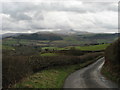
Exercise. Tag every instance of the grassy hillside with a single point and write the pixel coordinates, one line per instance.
(93, 47)
(91, 38)
(83, 48)
(111, 68)
(7, 47)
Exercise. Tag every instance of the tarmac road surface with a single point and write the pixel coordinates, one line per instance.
(89, 77)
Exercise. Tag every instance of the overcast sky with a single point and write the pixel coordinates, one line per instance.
(59, 15)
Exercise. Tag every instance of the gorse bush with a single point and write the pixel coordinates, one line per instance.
(21, 51)
(112, 60)
(112, 52)
(16, 68)
(73, 52)
(37, 63)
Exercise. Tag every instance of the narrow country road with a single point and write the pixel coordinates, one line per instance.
(89, 77)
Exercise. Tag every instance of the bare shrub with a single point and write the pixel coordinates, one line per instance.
(17, 67)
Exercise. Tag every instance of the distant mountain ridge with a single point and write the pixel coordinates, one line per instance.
(12, 34)
(60, 32)
(36, 36)
(62, 40)
(65, 32)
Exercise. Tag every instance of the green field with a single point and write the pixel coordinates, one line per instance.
(51, 78)
(55, 48)
(87, 48)
(93, 47)
(7, 47)
(65, 44)
(49, 54)
(11, 41)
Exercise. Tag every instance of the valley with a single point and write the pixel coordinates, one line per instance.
(48, 53)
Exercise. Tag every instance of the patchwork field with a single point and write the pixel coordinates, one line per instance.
(93, 47)
(46, 63)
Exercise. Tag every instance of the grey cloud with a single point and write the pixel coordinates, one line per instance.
(16, 10)
(20, 16)
(83, 8)
(31, 16)
(58, 6)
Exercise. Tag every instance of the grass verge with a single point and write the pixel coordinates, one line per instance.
(51, 78)
(109, 74)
